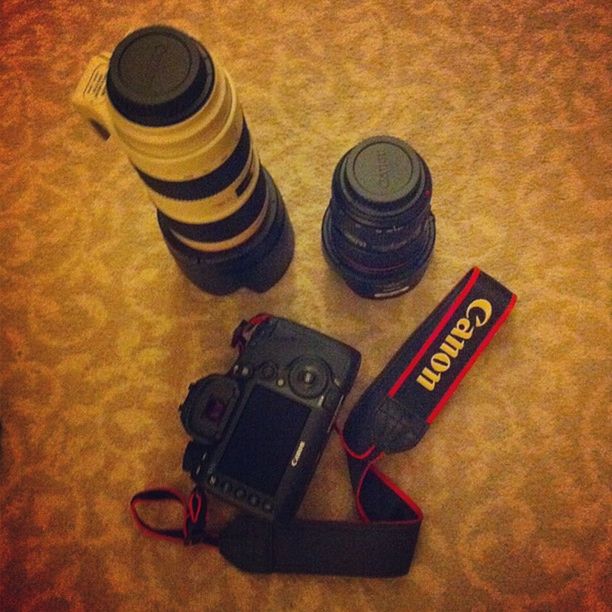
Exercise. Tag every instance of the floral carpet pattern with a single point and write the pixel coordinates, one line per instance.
(100, 334)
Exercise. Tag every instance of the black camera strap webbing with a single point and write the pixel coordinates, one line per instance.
(391, 416)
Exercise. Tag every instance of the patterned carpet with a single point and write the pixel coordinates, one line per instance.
(100, 334)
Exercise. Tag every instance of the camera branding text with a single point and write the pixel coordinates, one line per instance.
(454, 342)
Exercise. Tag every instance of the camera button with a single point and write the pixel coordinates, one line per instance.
(267, 506)
(240, 493)
(268, 371)
(226, 487)
(254, 500)
(212, 480)
(243, 370)
(308, 377)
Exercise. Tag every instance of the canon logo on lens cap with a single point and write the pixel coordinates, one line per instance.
(152, 67)
(383, 171)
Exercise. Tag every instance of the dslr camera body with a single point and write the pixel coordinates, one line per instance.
(259, 430)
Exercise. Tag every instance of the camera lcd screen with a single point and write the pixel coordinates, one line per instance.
(264, 440)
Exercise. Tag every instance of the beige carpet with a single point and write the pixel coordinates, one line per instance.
(100, 334)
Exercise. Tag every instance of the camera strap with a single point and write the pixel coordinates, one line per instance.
(391, 416)
(396, 410)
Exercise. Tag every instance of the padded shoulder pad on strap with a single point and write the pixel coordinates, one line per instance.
(396, 427)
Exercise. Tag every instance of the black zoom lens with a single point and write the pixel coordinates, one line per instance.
(379, 231)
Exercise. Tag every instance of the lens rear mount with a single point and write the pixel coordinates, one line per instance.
(380, 179)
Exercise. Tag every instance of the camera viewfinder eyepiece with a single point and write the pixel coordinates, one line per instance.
(207, 407)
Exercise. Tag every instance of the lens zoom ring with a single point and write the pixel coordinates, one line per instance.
(226, 228)
(210, 184)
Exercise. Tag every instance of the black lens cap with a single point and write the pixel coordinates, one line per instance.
(382, 176)
(159, 76)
